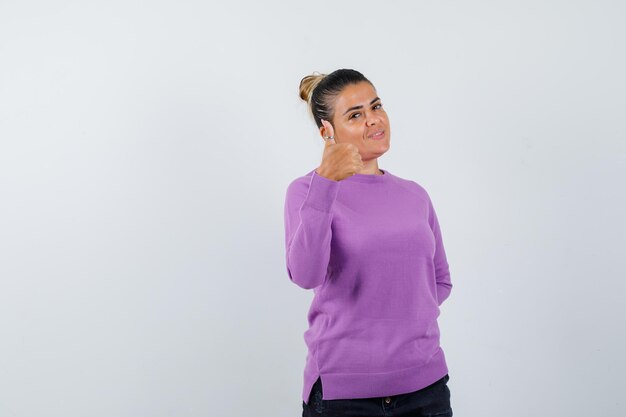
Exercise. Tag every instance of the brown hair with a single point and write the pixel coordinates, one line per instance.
(320, 90)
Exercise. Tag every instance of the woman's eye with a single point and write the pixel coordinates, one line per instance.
(378, 106)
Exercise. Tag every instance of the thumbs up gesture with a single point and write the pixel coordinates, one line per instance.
(339, 160)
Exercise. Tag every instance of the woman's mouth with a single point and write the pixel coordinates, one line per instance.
(379, 134)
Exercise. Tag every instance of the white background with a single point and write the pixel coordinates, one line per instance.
(145, 150)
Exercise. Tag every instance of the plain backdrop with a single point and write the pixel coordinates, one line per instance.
(145, 151)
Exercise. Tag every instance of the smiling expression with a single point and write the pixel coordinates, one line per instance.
(359, 118)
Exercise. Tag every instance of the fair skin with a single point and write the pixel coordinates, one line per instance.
(358, 115)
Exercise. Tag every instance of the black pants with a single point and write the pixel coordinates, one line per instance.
(433, 400)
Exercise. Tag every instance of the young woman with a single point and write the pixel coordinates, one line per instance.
(369, 245)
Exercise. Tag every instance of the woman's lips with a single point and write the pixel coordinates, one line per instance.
(378, 135)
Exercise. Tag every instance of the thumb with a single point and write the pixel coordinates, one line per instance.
(330, 133)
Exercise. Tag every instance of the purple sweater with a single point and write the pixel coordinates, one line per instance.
(371, 249)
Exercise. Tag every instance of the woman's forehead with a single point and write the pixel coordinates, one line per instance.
(361, 94)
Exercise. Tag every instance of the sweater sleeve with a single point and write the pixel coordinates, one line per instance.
(308, 217)
(442, 271)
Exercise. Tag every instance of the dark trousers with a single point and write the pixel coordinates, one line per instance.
(433, 400)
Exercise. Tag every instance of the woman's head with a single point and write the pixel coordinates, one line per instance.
(350, 103)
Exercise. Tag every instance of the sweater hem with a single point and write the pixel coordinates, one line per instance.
(371, 385)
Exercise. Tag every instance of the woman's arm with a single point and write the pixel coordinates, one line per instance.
(442, 271)
(308, 216)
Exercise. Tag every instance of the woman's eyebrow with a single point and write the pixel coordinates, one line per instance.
(359, 107)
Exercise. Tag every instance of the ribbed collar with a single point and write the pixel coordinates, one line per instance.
(366, 178)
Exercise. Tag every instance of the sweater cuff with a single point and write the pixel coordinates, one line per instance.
(322, 193)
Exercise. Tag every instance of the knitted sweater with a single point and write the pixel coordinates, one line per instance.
(370, 247)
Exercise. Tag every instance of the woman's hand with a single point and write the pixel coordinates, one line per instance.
(339, 160)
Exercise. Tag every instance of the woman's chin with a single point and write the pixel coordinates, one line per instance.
(381, 150)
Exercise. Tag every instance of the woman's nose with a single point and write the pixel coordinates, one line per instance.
(372, 119)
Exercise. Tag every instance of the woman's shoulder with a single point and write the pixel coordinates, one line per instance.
(300, 184)
(303, 179)
(410, 185)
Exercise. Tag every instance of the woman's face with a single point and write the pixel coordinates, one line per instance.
(359, 117)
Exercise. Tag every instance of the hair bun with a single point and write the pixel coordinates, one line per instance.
(308, 84)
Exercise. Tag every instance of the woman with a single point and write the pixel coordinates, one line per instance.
(369, 245)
